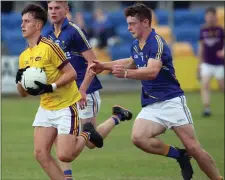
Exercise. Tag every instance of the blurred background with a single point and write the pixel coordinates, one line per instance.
(177, 22)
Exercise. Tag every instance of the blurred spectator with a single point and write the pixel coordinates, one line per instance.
(102, 28)
(7, 6)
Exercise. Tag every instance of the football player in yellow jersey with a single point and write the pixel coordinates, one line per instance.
(79, 52)
(57, 117)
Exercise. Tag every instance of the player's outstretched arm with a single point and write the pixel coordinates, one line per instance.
(97, 67)
(126, 63)
(146, 73)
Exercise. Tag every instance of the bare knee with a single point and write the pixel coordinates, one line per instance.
(193, 148)
(137, 139)
(42, 156)
(66, 156)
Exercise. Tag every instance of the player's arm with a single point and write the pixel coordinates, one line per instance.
(200, 52)
(69, 74)
(127, 63)
(19, 74)
(58, 59)
(146, 73)
(153, 65)
(97, 67)
(90, 57)
(200, 46)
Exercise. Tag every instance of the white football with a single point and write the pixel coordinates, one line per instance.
(33, 74)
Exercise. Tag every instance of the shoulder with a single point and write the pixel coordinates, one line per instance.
(49, 45)
(76, 29)
(156, 41)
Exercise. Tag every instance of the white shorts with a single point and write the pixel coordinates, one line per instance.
(208, 70)
(93, 106)
(65, 120)
(170, 113)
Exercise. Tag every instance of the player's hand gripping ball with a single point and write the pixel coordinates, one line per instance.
(30, 75)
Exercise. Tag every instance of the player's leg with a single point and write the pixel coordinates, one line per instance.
(206, 76)
(90, 112)
(144, 134)
(65, 166)
(219, 75)
(69, 141)
(186, 133)
(44, 136)
(155, 119)
(42, 150)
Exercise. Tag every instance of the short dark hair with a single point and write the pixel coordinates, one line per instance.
(37, 12)
(66, 2)
(210, 10)
(141, 11)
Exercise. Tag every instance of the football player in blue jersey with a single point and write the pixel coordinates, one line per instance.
(163, 102)
(78, 51)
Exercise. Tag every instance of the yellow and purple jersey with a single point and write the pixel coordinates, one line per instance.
(165, 86)
(50, 57)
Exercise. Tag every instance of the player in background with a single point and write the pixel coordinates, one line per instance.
(57, 116)
(163, 101)
(76, 47)
(211, 63)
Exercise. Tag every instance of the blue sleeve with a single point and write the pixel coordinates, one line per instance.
(156, 48)
(81, 40)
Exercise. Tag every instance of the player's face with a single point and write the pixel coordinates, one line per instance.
(135, 26)
(57, 11)
(210, 18)
(29, 26)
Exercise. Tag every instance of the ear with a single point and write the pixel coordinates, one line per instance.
(145, 23)
(39, 25)
(67, 9)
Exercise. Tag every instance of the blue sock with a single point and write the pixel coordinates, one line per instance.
(68, 174)
(173, 153)
(116, 120)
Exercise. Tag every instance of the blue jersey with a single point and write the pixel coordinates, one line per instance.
(165, 86)
(73, 42)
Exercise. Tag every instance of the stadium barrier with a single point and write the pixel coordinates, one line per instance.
(185, 70)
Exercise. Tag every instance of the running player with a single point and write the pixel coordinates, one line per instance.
(57, 116)
(163, 101)
(78, 51)
(211, 59)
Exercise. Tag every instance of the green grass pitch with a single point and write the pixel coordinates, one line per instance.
(119, 159)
